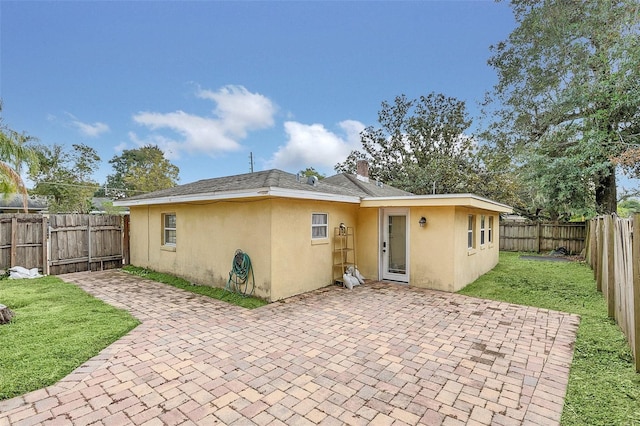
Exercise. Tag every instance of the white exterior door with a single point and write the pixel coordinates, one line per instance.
(395, 245)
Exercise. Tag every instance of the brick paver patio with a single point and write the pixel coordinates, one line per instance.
(381, 354)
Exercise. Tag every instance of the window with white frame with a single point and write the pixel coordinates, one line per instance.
(490, 230)
(169, 229)
(482, 229)
(471, 243)
(319, 226)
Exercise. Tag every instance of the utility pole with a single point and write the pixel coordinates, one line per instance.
(251, 161)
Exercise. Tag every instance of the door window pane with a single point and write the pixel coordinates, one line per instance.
(397, 245)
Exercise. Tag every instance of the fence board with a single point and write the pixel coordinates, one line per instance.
(85, 242)
(609, 229)
(539, 237)
(615, 258)
(21, 241)
(635, 260)
(70, 242)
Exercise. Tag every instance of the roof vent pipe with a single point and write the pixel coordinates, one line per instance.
(312, 180)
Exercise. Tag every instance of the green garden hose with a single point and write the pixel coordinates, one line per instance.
(239, 276)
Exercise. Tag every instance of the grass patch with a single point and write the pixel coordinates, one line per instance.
(604, 388)
(213, 292)
(56, 328)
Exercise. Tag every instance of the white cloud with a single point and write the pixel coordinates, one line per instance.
(241, 110)
(237, 112)
(91, 130)
(120, 147)
(171, 148)
(315, 146)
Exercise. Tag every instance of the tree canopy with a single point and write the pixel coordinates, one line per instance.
(421, 146)
(310, 171)
(65, 177)
(140, 170)
(629, 207)
(568, 99)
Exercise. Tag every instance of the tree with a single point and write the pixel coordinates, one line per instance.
(568, 97)
(421, 147)
(629, 207)
(310, 171)
(14, 152)
(140, 170)
(66, 177)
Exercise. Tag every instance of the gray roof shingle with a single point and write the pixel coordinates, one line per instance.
(14, 202)
(342, 184)
(371, 189)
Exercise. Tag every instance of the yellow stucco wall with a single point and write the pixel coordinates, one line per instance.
(276, 234)
(207, 236)
(368, 242)
(300, 263)
(439, 258)
(431, 248)
(472, 263)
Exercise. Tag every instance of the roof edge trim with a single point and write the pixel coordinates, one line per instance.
(439, 199)
(229, 195)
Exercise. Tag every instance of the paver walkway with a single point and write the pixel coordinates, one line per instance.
(380, 354)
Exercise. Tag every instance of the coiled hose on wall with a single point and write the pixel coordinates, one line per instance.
(239, 276)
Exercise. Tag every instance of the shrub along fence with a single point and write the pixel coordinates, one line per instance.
(62, 243)
(613, 252)
(539, 237)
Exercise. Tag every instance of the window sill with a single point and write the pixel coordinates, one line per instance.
(320, 241)
(471, 252)
(168, 248)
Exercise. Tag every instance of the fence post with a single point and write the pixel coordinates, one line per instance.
(611, 268)
(125, 240)
(593, 245)
(635, 256)
(600, 258)
(89, 243)
(45, 248)
(538, 237)
(587, 243)
(14, 241)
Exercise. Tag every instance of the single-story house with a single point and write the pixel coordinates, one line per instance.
(290, 227)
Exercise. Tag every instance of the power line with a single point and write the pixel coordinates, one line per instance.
(96, 186)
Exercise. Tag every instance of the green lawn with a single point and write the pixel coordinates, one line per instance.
(213, 292)
(56, 328)
(603, 386)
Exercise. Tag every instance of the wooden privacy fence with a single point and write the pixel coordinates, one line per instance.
(539, 237)
(21, 240)
(63, 243)
(613, 252)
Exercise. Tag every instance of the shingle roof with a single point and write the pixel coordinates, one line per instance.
(343, 184)
(370, 189)
(14, 202)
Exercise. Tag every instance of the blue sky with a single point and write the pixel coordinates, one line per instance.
(210, 82)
